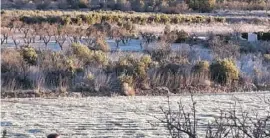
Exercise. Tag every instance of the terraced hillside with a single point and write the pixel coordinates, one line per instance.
(113, 116)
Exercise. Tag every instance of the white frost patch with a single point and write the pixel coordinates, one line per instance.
(111, 116)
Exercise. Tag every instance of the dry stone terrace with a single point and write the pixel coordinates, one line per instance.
(111, 117)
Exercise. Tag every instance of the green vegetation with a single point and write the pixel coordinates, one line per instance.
(29, 55)
(224, 71)
(88, 56)
(77, 18)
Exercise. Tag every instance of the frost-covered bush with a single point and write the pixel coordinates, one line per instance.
(224, 71)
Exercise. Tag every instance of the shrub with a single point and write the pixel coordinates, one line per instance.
(174, 36)
(202, 5)
(201, 67)
(224, 71)
(266, 58)
(134, 67)
(70, 65)
(102, 45)
(146, 59)
(58, 69)
(66, 20)
(11, 60)
(164, 19)
(90, 77)
(182, 36)
(81, 51)
(97, 17)
(29, 55)
(248, 48)
(160, 52)
(178, 8)
(100, 58)
(160, 55)
(79, 20)
(126, 79)
(223, 47)
(140, 70)
(126, 65)
(88, 56)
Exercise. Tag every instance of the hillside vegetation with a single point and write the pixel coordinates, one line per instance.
(165, 6)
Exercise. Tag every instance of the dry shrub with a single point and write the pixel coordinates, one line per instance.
(58, 69)
(14, 71)
(102, 45)
(159, 51)
(11, 60)
(242, 5)
(201, 68)
(223, 47)
(202, 5)
(178, 8)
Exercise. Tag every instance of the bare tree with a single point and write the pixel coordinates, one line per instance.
(60, 36)
(76, 33)
(16, 39)
(17, 25)
(5, 33)
(231, 123)
(181, 122)
(47, 32)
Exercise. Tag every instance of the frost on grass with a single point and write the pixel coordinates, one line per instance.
(113, 116)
